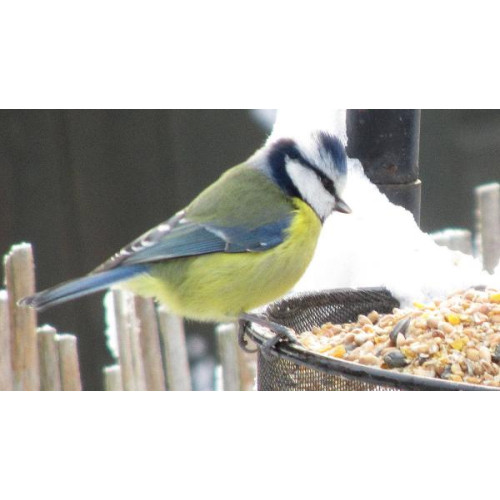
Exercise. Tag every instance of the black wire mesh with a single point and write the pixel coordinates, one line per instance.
(291, 368)
(303, 311)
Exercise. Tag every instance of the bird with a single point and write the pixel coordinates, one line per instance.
(243, 242)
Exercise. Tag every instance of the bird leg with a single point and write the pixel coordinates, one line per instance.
(282, 333)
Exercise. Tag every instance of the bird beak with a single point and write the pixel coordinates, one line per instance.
(342, 206)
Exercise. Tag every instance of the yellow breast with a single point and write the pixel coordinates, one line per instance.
(218, 287)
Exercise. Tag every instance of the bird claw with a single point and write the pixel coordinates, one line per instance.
(282, 334)
(242, 342)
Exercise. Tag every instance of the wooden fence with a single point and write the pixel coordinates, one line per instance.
(152, 353)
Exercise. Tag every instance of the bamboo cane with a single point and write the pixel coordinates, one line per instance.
(20, 282)
(129, 346)
(238, 368)
(488, 222)
(113, 378)
(50, 375)
(150, 344)
(68, 363)
(227, 344)
(5, 344)
(175, 351)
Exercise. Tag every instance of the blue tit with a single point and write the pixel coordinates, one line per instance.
(242, 243)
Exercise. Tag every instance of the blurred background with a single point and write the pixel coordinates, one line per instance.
(79, 185)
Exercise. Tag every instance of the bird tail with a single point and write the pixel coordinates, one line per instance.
(80, 287)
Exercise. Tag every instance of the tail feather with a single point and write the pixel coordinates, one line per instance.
(80, 287)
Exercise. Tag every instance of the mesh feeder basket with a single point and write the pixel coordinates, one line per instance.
(293, 368)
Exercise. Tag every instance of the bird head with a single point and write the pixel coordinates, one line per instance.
(313, 170)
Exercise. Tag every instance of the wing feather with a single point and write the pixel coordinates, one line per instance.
(180, 237)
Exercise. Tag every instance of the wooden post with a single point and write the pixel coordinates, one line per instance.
(150, 344)
(20, 282)
(239, 368)
(454, 239)
(488, 223)
(227, 343)
(129, 346)
(113, 378)
(218, 382)
(248, 368)
(50, 375)
(5, 344)
(175, 351)
(68, 363)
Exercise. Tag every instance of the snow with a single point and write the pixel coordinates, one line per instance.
(380, 244)
(454, 238)
(111, 327)
(264, 117)
(300, 124)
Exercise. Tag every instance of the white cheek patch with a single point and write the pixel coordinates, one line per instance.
(311, 189)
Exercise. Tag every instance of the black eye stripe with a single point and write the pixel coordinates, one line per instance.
(327, 183)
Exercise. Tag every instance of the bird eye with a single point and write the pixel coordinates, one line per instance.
(293, 154)
(327, 184)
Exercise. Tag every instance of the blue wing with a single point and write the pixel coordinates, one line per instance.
(181, 237)
(178, 237)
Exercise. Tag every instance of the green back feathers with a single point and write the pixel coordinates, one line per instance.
(243, 196)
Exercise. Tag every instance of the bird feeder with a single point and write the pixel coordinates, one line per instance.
(290, 367)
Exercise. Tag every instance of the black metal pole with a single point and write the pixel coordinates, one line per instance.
(386, 141)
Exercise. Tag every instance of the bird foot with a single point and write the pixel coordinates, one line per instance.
(282, 334)
(242, 341)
